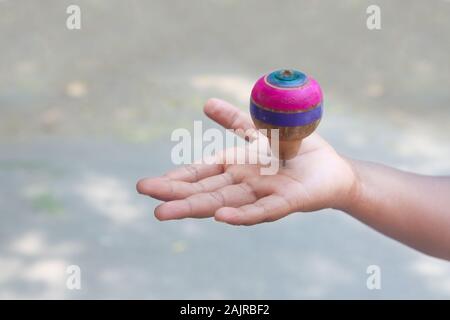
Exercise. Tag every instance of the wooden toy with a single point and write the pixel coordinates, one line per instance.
(290, 101)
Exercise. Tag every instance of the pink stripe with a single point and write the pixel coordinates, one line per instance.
(292, 99)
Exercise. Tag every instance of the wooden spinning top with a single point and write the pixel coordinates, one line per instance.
(290, 101)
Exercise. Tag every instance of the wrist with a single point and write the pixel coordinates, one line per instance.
(352, 194)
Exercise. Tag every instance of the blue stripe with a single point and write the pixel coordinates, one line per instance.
(286, 119)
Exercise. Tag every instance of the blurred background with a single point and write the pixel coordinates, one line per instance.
(85, 113)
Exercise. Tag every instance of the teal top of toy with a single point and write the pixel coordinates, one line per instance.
(286, 78)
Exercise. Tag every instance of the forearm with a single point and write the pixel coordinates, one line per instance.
(411, 208)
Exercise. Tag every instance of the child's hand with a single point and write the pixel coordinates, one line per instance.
(408, 207)
(237, 194)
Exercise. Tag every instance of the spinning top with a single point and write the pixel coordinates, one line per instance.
(290, 101)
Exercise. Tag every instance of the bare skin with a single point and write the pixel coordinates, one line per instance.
(411, 208)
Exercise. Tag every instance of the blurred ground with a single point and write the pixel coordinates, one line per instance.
(84, 114)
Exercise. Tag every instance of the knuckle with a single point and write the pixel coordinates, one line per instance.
(234, 119)
(193, 171)
(228, 176)
(200, 186)
(218, 196)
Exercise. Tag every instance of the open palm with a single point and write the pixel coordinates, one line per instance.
(238, 194)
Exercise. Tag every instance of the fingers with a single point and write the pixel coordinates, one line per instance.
(270, 208)
(194, 172)
(204, 205)
(163, 188)
(228, 115)
(176, 183)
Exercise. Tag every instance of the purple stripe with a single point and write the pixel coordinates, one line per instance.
(286, 119)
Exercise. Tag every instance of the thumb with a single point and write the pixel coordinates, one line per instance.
(227, 115)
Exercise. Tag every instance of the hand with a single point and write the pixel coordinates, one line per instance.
(317, 178)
